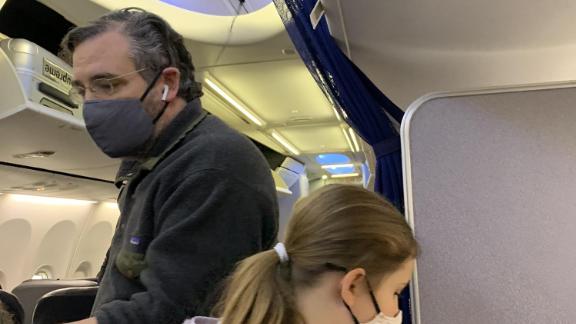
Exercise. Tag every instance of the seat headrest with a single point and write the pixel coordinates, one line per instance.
(65, 305)
(13, 304)
(34, 284)
(72, 292)
(30, 291)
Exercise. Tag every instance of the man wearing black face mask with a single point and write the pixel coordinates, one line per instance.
(196, 196)
(109, 119)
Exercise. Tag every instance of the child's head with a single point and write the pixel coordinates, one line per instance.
(343, 236)
(11, 311)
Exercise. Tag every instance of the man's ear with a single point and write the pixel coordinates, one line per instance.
(171, 77)
(351, 286)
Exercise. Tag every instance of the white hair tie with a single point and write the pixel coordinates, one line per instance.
(282, 253)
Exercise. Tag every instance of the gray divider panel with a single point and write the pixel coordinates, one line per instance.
(491, 192)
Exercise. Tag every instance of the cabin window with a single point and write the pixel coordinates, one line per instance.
(83, 271)
(42, 273)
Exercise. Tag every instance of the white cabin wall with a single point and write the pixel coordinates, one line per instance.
(38, 232)
(15, 237)
(94, 241)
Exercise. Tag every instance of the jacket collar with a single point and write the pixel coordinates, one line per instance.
(170, 136)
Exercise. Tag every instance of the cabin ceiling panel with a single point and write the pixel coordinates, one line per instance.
(204, 55)
(218, 107)
(16, 180)
(279, 92)
(456, 24)
(249, 28)
(259, 67)
(69, 148)
(220, 7)
(411, 48)
(316, 139)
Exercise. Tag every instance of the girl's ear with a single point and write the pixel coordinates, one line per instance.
(351, 286)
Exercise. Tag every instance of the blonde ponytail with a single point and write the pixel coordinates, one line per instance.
(259, 292)
(336, 227)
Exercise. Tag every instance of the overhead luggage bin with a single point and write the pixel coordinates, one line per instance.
(39, 125)
(490, 178)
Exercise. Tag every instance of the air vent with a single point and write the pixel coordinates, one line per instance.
(34, 155)
(41, 186)
(299, 120)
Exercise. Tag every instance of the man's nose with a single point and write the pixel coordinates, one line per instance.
(89, 95)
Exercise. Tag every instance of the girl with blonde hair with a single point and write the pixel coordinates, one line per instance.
(347, 256)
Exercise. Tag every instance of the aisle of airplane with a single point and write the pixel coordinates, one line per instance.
(58, 208)
(258, 85)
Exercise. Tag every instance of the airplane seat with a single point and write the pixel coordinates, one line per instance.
(30, 291)
(12, 305)
(65, 305)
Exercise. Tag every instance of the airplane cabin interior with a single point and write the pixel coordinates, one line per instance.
(484, 146)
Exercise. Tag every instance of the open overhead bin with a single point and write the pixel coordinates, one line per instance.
(39, 125)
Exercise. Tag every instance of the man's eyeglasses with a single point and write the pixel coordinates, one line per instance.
(100, 88)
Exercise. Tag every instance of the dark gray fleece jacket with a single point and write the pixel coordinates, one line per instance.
(187, 216)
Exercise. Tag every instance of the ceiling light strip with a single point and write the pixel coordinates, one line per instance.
(345, 175)
(291, 148)
(354, 139)
(348, 139)
(337, 166)
(336, 113)
(234, 102)
(49, 200)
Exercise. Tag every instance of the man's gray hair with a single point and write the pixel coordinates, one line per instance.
(154, 45)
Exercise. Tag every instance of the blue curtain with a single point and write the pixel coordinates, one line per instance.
(366, 107)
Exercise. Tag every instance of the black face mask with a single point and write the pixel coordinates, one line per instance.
(380, 318)
(121, 127)
(374, 302)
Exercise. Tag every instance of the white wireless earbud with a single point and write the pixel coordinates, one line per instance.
(165, 93)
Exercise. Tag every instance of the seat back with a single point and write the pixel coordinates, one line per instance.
(30, 291)
(12, 305)
(65, 305)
